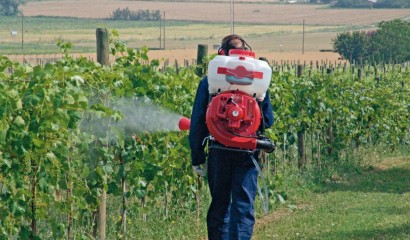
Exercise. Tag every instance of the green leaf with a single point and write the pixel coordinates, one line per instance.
(83, 101)
(31, 100)
(6, 162)
(113, 188)
(68, 99)
(37, 142)
(19, 121)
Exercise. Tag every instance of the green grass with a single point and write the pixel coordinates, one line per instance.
(371, 204)
(184, 221)
(356, 200)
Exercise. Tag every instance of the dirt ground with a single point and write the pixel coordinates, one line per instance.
(260, 12)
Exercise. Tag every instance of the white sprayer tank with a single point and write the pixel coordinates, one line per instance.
(239, 71)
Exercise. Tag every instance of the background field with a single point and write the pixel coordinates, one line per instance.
(273, 30)
(219, 11)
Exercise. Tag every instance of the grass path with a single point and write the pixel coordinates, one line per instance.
(374, 204)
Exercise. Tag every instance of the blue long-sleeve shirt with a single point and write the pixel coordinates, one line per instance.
(198, 129)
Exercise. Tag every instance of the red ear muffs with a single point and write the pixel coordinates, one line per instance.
(221, 52)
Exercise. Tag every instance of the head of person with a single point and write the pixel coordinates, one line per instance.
(232, 42)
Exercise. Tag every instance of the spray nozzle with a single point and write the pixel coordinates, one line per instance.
(184, 123)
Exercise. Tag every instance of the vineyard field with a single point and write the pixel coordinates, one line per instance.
(62, 143)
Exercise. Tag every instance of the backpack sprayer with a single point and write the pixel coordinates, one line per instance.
(238, 84)
(237, 87)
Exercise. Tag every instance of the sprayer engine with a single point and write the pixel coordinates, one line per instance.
(233, 119)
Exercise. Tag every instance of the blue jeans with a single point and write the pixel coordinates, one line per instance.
(232, 178)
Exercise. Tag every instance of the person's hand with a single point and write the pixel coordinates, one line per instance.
(201, 169)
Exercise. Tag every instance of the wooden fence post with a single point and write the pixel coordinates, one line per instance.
(301, 148)
(176, 67)
(330, 135)
(103, 51)
(299, 70)
(301, 132)
(200, 64)
(329, 71)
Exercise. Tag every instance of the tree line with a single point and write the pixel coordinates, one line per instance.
(10, 7)
(389, 43)
(141, 15)
(363, 3)
(373, 4)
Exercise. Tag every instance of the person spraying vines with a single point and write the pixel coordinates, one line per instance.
(229, 116)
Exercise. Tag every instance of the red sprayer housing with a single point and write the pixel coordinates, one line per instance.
(233, 118)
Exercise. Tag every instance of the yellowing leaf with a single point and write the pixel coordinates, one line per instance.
(19, 121)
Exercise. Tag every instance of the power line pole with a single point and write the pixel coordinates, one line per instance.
(303, 38)
(230, 16)
(22, 32)
(233, 16)
(160, 33)
(164, 30)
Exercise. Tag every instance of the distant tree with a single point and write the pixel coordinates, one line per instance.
(352, 46)
(142, 15)
(377, 4)
(10, 7)
(389, 43)
(392, 40)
